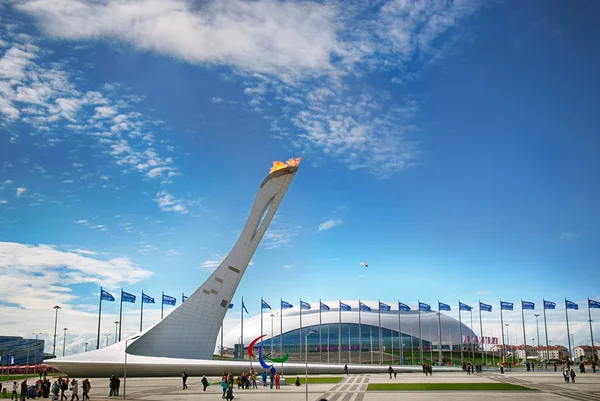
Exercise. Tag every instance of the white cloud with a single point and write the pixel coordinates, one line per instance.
(84, 252)
(482, 292)
(20, 191)
(168, 203)
(217, 100)
(212, 263)
(567, 235)
(67, 182)
(3, 201)
(260, 36)
(276, 238)
(81, 222)
(329, 224)
(288, 266)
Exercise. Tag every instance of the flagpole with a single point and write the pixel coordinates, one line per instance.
(420, 335)
(380, 340)
(142, 312)
(502, 327)
(440, 332)
(300, 329)
(524, 335)
(242, 329)
(261, 319)
(281, 327)
(461, 333)
(221, 353)
(568, 330)
(359, 335)
(99, 317)
(472, 339)
(121, 315)
(340, 330)
(481, 341)
(328, 343)
(451, 346)
(546, 331)
(594, 354)
(320, 335)
(400, 334)
(162, 304)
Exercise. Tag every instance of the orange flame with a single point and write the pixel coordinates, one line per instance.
(277, 165)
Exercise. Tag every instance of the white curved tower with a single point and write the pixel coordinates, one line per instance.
(191, 330)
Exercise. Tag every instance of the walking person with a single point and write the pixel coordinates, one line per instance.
(74, 390)
(224, 387)
(87, 386)
(64, 386)
(277, 381)
(14, 391)
(184, 379)
(573, 375)
(204, 382)
(263, 376)
(390, 371)
(346, 369)
(24, 390)
(55, 390)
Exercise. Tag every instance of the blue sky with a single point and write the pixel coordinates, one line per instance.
(452, 145)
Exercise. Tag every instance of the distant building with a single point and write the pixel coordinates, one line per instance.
(585, 351)
(518, 351)
(20, 351)
(555, 352)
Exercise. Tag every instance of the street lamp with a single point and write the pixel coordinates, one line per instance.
(56, 308)
(116, 329)
(125, 370)
(310, 333)
(538, 328)
(64, 340)
(107, 336)
(508, 341)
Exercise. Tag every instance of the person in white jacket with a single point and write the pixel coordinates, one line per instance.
(74, 390)
(14, 393)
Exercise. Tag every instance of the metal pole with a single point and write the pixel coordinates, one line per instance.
(461, 333)
(371, 340)
(568, 330)
(380, 340)
(451, 346)
(420, 334)
(340, 330)
(142, 312)
(502, 327)
(120, 316)
(221, 352)
(430, 347)
(242, 328)
(305, 364)
(162, 304)
(116, 329)
(524, 335)
(359, 335)
(300, 307)
(537, 324)
(64, 340)
(320, 334)
(328, 343)
(272, 316)
(125, 369)
(512, 355)
(400, 333)
(86, 344)
(281, 328)
(482, 341)
(472, 342)
(56, 308)
(546, 331)
(594, 352)
(440, 355)
(99, 317)
(349, 345)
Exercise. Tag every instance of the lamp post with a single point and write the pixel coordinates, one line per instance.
(64, 339)
(107, 336)
(56, 308)
(310, 333)
(537, 323)
(512, 357)
(125, 369)
(35, 353)
(272, 316)
(116, 329)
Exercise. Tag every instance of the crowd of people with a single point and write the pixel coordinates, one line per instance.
(42, 388)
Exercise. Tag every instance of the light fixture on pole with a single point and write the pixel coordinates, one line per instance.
(56, 308)
(125, 370)
(107, 336)
(310, 333)
(116, 330)
(64, 339)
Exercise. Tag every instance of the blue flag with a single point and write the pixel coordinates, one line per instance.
(527, 305)
(344, 307)
(442, 306)
(571, 305)
(183, 298)
(549, 305)
(593, 304)
(423, 307)
(324, 307)
(304, 305)
(466, 307)
(147, 299)
(485, 307)
(127, 297)
(265, 305)
(230, 306)
(167, 300)
(106, 296)
(244, 307)
(384, 307)
(364, 307)
(506, 305)
(286, 305)
(403, 307)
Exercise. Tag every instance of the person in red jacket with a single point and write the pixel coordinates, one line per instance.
(277, 381)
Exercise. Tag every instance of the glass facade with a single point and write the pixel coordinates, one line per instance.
(350, 339)
(19, 351)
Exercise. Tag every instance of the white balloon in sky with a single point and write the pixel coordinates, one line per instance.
(364, 264)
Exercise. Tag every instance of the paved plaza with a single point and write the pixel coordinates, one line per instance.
(544, 385)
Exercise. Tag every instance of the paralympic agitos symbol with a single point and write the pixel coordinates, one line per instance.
(262, 358)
